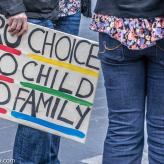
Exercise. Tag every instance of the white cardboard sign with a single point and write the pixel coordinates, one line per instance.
(48, 80)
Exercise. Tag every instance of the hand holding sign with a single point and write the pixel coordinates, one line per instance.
(18, 24)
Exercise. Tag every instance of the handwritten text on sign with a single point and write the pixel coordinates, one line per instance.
(48, 80)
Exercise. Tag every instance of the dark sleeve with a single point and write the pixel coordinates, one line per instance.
(86, 8)
(12, 7)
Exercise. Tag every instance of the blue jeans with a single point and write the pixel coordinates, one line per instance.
(134, 82)
(69, 24)
(33, 146)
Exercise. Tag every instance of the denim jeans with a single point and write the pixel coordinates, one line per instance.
(69, 24)
(134, 82)
(33, 146)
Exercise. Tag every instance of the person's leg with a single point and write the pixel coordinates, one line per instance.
(124, 75)
(155, 105)
(33, 146)
(54, 149)
(69, 24)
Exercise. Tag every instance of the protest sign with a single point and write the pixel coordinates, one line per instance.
(48, 80)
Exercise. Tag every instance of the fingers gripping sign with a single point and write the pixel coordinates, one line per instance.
(18, 24)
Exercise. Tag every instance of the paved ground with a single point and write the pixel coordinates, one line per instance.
(72, 152)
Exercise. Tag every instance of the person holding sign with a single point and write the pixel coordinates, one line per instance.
(31, 145)
(30, 140)
(131, 50)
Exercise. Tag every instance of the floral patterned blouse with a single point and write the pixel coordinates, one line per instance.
(68, 7)
(135, 33)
